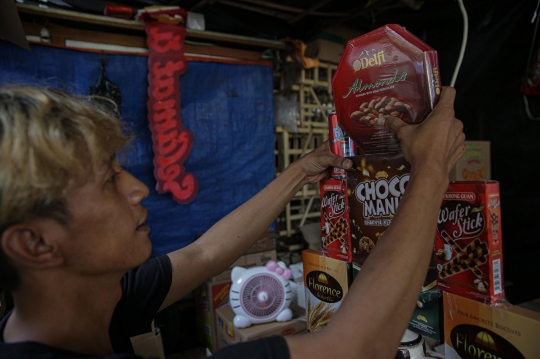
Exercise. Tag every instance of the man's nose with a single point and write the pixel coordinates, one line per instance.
(137, 191)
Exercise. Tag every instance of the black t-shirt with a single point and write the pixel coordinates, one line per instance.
(143, 291)
(266, 348)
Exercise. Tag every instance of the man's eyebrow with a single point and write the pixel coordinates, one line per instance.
(107, 167)
(112, 158)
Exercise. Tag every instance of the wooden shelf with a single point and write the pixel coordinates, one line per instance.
(138, 26)
(59, 35)
(312, 130)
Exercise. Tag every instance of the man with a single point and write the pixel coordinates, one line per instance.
(74, 243)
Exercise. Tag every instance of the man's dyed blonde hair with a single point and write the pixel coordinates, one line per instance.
(50, 141)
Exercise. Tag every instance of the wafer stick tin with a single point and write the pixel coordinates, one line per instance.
(376, 184)
(468, 244)
(326, 283)
(336, 232)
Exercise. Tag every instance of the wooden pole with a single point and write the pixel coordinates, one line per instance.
(272, 13)
(309, 11)
(294, 9)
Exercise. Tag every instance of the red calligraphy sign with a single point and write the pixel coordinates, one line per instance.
(172, 142)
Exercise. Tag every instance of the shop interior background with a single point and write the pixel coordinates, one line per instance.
(489, 102)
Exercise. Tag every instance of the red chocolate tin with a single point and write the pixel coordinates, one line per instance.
(386, 72)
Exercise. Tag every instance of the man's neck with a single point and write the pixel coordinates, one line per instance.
(72, 314)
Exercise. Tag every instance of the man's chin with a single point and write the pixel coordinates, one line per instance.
(146, 253)
(150, 252)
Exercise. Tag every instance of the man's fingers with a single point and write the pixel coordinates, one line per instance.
(460, 136)
(332, 159)
(346, 164)
(459, 125)
(458, 148)
(392, 124)
(448, 95)
(341, 162)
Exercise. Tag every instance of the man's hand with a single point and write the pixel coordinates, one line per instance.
(437, 143)
(315, 164)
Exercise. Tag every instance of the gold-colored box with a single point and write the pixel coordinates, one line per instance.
(326, 282)
(477, 330)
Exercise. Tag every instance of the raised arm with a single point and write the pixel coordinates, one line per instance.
(228, 239)
(375, 313)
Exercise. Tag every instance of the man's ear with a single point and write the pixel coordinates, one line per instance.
(25, 245)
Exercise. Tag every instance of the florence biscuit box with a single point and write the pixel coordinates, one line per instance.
(468, 243)
(386, 72)
(375, 185)
(326, 282)
(474, 330)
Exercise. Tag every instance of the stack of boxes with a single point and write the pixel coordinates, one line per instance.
(465, 280)
(478, 322)
(376, 78)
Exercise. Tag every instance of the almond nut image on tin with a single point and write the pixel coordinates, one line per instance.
(369, 112)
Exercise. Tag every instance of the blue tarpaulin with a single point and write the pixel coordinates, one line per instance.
(228, 107)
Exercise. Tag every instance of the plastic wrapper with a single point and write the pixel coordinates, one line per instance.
(287, 112)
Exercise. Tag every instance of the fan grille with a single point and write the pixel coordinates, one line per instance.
(262, 295)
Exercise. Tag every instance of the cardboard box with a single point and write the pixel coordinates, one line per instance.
(228, 334)
(533, 305)
(344, 32)
(325, 50)
(326, 283)
(208, 297)
(148, 344)
(427, 318)
(266, 242)
(475, 164)
(468, 241)
(375, 187)
(247, 261)
(477, 330)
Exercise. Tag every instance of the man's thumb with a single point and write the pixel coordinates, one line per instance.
(391, 123)
(346, 164)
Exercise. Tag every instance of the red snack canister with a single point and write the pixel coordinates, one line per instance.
(468, 241)
(340, 144)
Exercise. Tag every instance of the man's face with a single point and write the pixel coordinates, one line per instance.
(107, 230)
